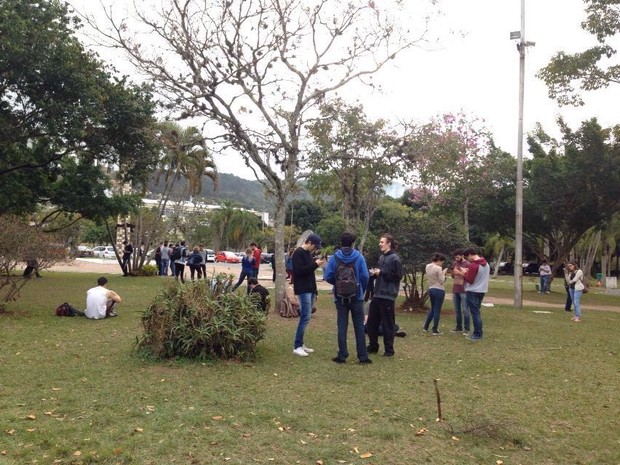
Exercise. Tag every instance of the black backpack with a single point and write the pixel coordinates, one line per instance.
(66, 309)
(346, 281)
(178, 253)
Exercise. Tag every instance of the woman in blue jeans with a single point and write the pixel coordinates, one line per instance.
(247, 269)
(575, 287)
(436, 277)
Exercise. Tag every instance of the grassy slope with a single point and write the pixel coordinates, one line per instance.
(537, 390)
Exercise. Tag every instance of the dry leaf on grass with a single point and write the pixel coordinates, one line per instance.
(454, 438)
(10, 431)
(56, 389)
(138, 430)
(31, 430)
(217, 417)
(366, 455)
(31, 417)
(319, 462)
(77, 453)
(356, 450)
(421, 432)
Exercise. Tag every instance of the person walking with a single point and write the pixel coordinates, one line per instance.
(459, 297)
(476, 286)
(348, 257)
(576, 286)
(247, 269)
(388, 274)
(304, 266)
(436, 277)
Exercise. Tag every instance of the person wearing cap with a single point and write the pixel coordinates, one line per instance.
(100, 301)
(304, 266)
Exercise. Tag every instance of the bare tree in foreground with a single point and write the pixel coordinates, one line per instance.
(256, 71)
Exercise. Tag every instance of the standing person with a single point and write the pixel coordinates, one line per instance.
(194, 261)
(476, 286)
(569, 302)
(545, 278)
(32, 266)
(436, 278)
(158, 257)
(459, 298)
(305, 288)
(165, 259)
(247, 269)
(348, 257)
(127, 252)
(256, 252)
(180, 258)
(388, 274)
(203, 261)
(576, 287)
(100, 302)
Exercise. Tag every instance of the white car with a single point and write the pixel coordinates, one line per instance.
(210, 255)
(104, 252)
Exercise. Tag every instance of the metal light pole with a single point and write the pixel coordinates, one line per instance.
(518, 262)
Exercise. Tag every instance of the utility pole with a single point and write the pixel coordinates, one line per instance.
(518, 262)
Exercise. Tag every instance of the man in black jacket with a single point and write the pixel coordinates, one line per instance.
(304, 266)
(388, 275)
(259, 293)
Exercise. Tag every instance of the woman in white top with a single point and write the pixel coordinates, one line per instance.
(575, 287)
(436, 278)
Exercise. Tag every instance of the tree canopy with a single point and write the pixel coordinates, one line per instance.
(64, 119)
(567, 74)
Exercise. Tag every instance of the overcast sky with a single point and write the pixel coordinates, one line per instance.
(478, 71)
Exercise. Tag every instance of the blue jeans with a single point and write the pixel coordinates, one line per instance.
(576, 298)
(164, 267)
(437, 296)
(474, 302)
(305, 311)
(242, 276)
(461, 311)
(356, 307)
(545, 283)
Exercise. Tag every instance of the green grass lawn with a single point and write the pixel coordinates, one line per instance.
(538, 389)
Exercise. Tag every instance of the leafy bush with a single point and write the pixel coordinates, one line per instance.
(202, 321)
(148, 270)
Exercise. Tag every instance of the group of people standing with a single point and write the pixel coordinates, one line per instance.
(175, 257)
(471, 274)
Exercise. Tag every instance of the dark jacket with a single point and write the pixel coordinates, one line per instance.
(349, 255)
(387, 285)
(260, 294)
(303, 268)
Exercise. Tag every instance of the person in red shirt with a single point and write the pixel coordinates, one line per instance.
(256, 252)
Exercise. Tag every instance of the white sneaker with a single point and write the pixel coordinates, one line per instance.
(307, 349)
(300, 351)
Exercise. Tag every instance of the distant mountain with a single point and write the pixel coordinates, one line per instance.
(248, 193)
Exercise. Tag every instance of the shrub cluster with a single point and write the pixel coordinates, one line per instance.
(202, 320)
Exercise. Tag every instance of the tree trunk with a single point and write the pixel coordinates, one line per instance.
(279, 222)
(498, 261)
(466, 218)
(591, 254)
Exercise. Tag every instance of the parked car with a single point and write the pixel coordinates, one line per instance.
(530, 268)
(503, 268)
(225, 256)
(210, 255)
(266, 257)
(104, 252)
(83, 251)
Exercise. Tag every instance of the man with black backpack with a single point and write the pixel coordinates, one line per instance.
(347, 272)
(179, 257)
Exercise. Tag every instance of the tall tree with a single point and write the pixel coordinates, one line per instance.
(454, 157)
(353, 159)
(595, 68)
(256, 70)
(572, 185)
(63, 118)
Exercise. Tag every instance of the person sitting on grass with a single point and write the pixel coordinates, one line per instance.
(100, 301)
(260, 294)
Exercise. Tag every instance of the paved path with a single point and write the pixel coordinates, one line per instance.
(107, 266)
